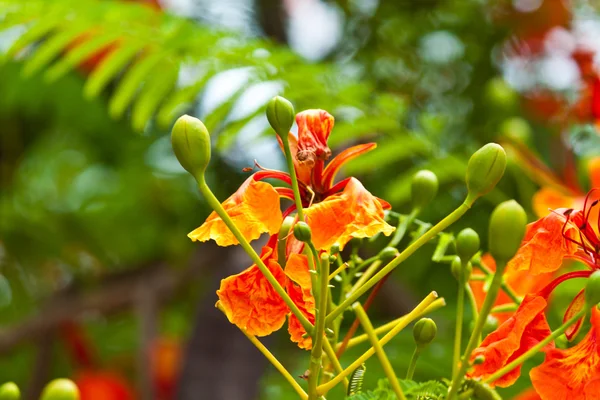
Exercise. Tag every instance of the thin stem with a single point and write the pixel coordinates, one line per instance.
(473, 303)
(460, 310)
(443, 224)
(488, 303)
(509, 292)
(363, 264)
(535, 349)
(269, 356)
(436, 305)
(385, 362)
(413, 363)
(216, 205)
(317, 350)
(505, 308)
(414, 314)
(290, 165)
(330, 352)
(338, 270)
(365, 276)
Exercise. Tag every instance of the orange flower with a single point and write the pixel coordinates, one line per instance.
(521, 283)
(255, 206)
(251, 303)
(515, 336)
(574, 373)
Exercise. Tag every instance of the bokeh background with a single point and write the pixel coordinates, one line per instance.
(98, 281)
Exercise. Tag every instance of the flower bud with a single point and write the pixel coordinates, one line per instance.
(491, 324)
(479, 360)
(483, 391)
(467, 244)
(424, 187)
(592, 290)
(334, 249)
(60, 389)
(280, 113)
(424, 331)
(191, 145)
(10, 391)
(387, 253)
(302, 231)
(507, 228)
(457, 266)
(484, 170)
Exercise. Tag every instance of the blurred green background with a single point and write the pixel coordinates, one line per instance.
(98, 280)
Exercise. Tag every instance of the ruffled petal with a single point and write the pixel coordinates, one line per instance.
(544, 245)
(299, 288)
(519, 333)
(574, 373)
(352, 213)
(255, 210)
(249, 300)
(314, 127)
(547, 199)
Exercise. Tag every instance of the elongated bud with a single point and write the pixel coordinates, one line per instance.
(485, 169)
(507, 228)
(387, 253)
(424, 187)
(191, 145)
(10, 391)
(467, 244)
(424, 331)
(60, 389)
(458, 266)
(592, 290)
(302, 231)
(280, 113)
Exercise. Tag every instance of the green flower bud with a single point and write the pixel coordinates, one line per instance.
(302, 231)
(332, 259)
(592, 290)
(280, 113)
(60, 389)
(191, 145)
(484, 170)
(424, 331)
(479, 360)
(467, 244)
(491, 324)
(457, 266)
(334, 249)
(483, 391)
(507, 228)
(387, 253)
(516, 129)
(10, 391)
(424, 187)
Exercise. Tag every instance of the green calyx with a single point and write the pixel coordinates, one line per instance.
(280, 113)
(10, 391)
(507, 229)
(60, 389)
(191, 144)
(484, 170)
(424, 187)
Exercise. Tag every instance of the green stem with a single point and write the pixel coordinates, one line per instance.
(338, 270)
(269, 356)
(365, 276)
(443, 224)
(413, 363)
(385, 363)
(214, 203)
(535, 349)
(316, 354)
(473, 303)
(460, 310)
(488, 303)
(403, 227)
(414, 314)
(509, 292)
(505, 308)
(290, 165)
(330, 352)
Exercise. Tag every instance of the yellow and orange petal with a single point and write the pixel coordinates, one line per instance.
(519, 333)
(547, 199)
(254, 208)
(299, 288)
(574, 373)
(544, 245)
(314, 127)
(521, 283)
(354, 212)
(250, 301)
(338, 162)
